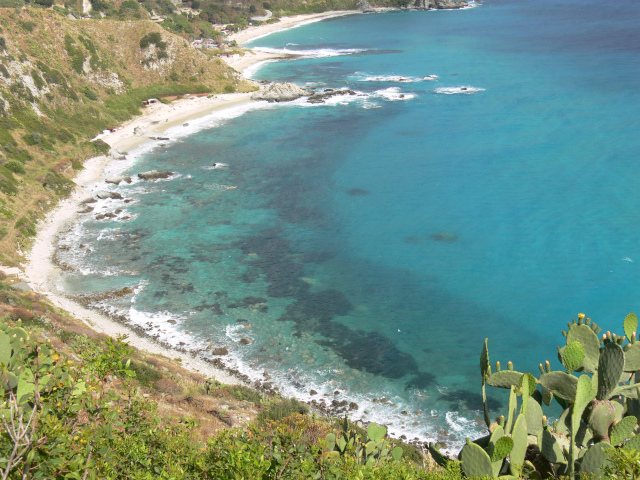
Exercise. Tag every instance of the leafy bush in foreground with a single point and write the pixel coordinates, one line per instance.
(75, 420)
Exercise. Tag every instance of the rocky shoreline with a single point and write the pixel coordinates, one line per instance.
(326, 405)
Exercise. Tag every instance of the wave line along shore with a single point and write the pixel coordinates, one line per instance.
(40, 271)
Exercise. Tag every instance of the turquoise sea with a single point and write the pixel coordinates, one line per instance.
(481, 182)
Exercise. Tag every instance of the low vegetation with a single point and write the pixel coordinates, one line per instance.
(76, 404)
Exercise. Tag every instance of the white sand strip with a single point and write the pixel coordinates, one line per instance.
(40, 272)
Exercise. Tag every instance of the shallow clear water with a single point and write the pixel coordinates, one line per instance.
(373, 242)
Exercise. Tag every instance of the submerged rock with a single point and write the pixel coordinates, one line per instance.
(328, 93)
(154, 175)
(280, 92)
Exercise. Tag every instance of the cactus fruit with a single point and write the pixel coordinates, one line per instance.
(475, 461)
(610, 368)
(623, 430)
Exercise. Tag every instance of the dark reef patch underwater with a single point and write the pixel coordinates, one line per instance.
(481, 183)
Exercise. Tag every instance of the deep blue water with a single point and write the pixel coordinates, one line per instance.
(373, 242)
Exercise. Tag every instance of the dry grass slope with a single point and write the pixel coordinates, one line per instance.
(62, 81)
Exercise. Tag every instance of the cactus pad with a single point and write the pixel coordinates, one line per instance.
(475, 461)
(519, 436)
(5, 349)
(590, 343)
(623, 430)
(484, 359)
(375, 432)
(632, 357)
(533, 417)
(528, 382)
(561, 384)
(603, 415)
(610, 368)
(595, 459)
(501, 449)
(572, 356)
(633, 443)
(439, 458)
(630, 325)
(504, 379)
(584, 396)
(551, 448)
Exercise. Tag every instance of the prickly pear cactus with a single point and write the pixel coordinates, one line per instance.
(571, 356)
(587, 336)
(475, 461)
(623, 430)
(610, 368)
(595, 459)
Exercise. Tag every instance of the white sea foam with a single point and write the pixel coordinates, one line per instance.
(393, 78)
(312, 53)
(455, 90)
(393, 94)
(216, 166)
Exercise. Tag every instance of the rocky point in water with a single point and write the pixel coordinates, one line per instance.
(280, 92)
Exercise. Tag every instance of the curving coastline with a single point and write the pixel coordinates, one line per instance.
(40, 271)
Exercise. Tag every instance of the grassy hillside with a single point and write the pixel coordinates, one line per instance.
(62, 81)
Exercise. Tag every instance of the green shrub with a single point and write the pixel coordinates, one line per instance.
(229, 89)
(145, 375)
(101, 146)
(4, 71)
(26, 226)
(15, 166)
(37, 79)
(27, 26)
(282, 409)
(3, 44)
(89, 94)
(241, 392)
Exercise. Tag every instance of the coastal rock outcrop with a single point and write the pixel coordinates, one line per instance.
(112, 195)
(280, 92)
(117, 180)
(154, 175)
(328, 93)
(437, 4)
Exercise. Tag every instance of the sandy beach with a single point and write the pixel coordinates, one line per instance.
(42, 274)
